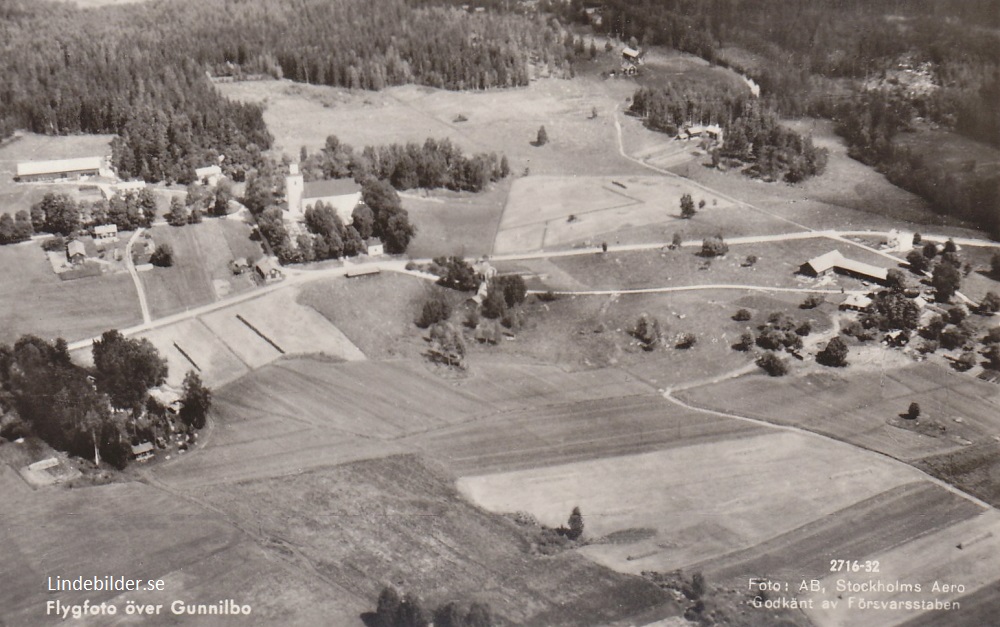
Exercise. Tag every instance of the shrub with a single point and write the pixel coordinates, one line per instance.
(54, 244)
(163, 256)
(745, 342)
(714, 247)
(750, 260)
(742, 315)
(547, 296)
(835, 354)
(434, 310)
(966, 361)
(914, 411)
(686, 340)
(647, 331)
(772, 364)
(812, 302)
(804, 329)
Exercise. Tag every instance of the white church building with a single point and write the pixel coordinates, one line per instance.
(341, 194)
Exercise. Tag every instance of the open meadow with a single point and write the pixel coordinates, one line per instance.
(549, 211)
(200, 273)
(35, 300)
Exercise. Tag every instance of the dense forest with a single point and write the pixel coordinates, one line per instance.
(142, 70)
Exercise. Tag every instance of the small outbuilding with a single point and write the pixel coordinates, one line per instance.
(239, 265)
(209, 175)
(105, 234)
(375, 247)
(76, 252)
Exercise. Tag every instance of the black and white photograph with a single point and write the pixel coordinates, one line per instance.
(491, 313)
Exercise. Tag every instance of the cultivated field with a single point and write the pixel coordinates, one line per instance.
(70, 533)
(884, 521)
(539, 207)
(960, 554)
(975, 469)
(201, 273)
(858, 407)
(399, 520)
(552, 435)
(35, 300)
(452, 223)
(698, 507)
(190, 345)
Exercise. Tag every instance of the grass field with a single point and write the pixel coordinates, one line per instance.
(699, 507)
(857, 407)
(538, 208)
(200, 274)
(777, 265)
(203, 352)
(451, 223)
(375, 312)
(399, 520)
(587, 332)
(874, 525)
(34, 299)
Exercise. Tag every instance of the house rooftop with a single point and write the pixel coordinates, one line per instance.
(145, 447)
(102, 229)
(76, 247)
(34, 168)
(834, 259)
(630, 52)
(330, 187)
(207, 171)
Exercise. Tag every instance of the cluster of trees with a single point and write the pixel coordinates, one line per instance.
(752, 132)
(139, 70)
(61, 214)
(436, 164)
(393, 610)
(87, 412)
(16, 228)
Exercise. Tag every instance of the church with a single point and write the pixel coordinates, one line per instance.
(341, 194)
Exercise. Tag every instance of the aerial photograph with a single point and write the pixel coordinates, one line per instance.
(489, 313)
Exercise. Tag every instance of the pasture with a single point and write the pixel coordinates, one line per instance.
(200, 274)
(975, 469)
(539, 208)
(399, 520)
(776, 266)
(35, 300)
(698, 507)
(453, 223)
(859, 406)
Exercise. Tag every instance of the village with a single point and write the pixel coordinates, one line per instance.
(570, 393)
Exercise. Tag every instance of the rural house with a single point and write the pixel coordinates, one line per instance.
(76, 252)
(142, 452)
(375, 247)
(209, 175)
(268, 270)
(834, 261)
(105, 234)
(61, 169)
(631, 60)
(856, 302)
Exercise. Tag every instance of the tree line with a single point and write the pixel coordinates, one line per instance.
(139, 70)
(90, 412)
(436, 164)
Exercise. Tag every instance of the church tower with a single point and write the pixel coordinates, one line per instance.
(294, 188)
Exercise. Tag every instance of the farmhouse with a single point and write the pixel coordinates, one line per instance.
(122, 188)
(105, 234)
(209, 175)
(631, 60)
(142, 452)
(341, 194)
(76, 252)
(834, 261)
(856, 302)
(268, 270)
(61, 169)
